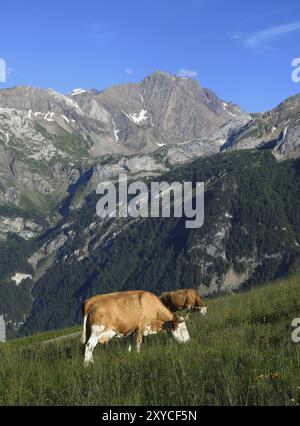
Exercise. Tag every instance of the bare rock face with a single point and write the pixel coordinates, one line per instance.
(289, 143)
(144, 164)
(24, 228)
(47, 138)
(128, 118)
(165, 110)
(278, 129)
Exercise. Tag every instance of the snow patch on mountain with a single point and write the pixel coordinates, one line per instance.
(67, 101)
(78, 91)
(49, 116)
(116, 133)
(65, 118)
(140, 117)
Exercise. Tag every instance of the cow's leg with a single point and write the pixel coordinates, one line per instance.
(139, 344)
(139, 340)
(83, 339)
(131, 338)
(96, 332)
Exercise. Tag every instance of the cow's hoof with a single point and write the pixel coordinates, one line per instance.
(88, 363)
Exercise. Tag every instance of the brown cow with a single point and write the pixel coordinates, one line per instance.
(122, 314)
(183, 299)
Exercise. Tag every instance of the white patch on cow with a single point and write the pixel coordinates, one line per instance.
(203, 310)
(98, 329)
(107, 336)
(119, 336)
(138, 347)
(96, 332)
(129, 348)
(149, 331)
(181, 334)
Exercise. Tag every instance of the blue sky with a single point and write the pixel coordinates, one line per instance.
(242, 52)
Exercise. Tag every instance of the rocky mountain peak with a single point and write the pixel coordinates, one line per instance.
(46, 136)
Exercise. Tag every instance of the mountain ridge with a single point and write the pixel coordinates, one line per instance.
(46, 136)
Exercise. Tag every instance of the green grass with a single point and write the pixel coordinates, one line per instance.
(39, 205)
(35, 340)
(241, 353)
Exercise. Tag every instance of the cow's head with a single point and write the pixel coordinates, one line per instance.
(178, 329)
(200, 306)
(203, 310)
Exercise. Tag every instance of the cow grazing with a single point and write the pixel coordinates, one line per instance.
(179, 300)
(122, 314)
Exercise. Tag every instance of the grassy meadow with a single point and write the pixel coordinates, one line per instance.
(241, 353)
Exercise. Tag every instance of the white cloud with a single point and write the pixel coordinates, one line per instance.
(235, 35)
(129, 71)
(258, 39)
(187, 73)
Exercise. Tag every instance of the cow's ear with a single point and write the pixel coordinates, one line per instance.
(176, 321)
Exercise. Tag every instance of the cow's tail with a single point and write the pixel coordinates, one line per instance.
(84, 337)
(85, 315)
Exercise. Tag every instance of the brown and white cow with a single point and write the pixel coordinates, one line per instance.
(179, 300)
(132, 312)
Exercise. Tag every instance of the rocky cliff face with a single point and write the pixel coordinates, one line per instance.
(47, 139)
(162, 109)
(55, 149)
(278, 129)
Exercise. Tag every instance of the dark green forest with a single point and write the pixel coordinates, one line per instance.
(249, 194)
